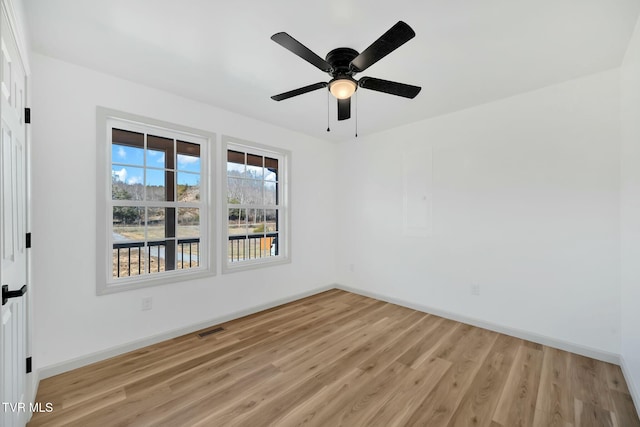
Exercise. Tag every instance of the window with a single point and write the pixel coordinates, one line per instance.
(154, 204)
(256, 206)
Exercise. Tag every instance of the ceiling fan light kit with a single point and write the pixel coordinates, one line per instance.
(342, 88)
(343, 63)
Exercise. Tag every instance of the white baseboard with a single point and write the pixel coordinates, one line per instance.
(49, 371)
(526, 335)
(631, 385)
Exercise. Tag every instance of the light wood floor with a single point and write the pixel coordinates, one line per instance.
(342, 359)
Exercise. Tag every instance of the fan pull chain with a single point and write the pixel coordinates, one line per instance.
(328, 130)
(356, 94)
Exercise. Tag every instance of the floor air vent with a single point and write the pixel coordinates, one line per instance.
(210, 332)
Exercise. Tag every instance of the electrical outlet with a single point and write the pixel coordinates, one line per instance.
(147, 303)
(475, 289)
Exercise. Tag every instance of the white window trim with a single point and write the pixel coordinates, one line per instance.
(104, 281)
(284, 256)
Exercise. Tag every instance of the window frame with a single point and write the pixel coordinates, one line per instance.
(284, 206)
(105, 119)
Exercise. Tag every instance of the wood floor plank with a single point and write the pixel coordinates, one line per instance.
(589, 381)
(408, 393)
(307, 380)
(588, 414)
(338, 358)
(625, 413)
(517, 403)
(307, 411)
(359, 401)
(201, 387)
(554, 404)
(396, 347)
(478, 404)
(615, 379)
(430, 341)
(466, 349)
(288, 399)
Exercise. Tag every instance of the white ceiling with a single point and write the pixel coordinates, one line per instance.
(465, 53)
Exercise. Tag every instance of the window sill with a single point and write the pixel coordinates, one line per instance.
(139, 282)
(254, 264)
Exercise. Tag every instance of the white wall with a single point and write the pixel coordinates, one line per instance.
(630, 213)
(70, 320)
(524, 203)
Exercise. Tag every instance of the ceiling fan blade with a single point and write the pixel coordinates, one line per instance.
(398, 35)
(289, 43)
(392, 88)
(344, 109)
(299, 91)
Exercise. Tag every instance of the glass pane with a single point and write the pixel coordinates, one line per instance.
(188, 163)
(235, 190)
(255, 168)
(188, 156)
(252, 192)
(270, 175)
(244, 191)
(236, 249)
(128, 223)
(234, 169)
(160, 152)
(255, 221)
(275, 246)
(235, 157)
(128, 259)
(160, 223)
(237, 221)
(188, 222)
(126, 183)
(271, 220)
(268, 246)
(156, 252)
(270, 193)
(126, 155)
(188, 254)
(159, 185)
(271, 169)
(188, 187)
(127, 147)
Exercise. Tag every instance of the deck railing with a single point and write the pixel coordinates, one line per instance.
(131, 258)
(253, 246)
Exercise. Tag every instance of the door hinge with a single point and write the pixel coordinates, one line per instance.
(27, 115)
(27, 241)
(28, 365)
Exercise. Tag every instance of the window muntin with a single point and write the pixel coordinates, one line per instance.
(256, 206)
(157, 219)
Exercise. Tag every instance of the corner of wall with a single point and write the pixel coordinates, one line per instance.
(631, 385)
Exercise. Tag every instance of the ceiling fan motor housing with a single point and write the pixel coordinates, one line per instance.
(339, 59)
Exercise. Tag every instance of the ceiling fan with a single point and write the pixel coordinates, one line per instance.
(343, 63)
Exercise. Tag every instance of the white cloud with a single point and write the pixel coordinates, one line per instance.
(185, 160)
(122, 153)
(121, 175)
(161, 159)
(134, 180)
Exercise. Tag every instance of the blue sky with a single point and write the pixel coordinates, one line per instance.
(128, 165)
